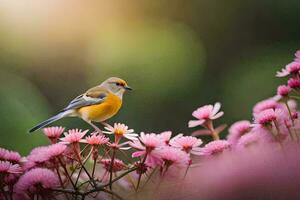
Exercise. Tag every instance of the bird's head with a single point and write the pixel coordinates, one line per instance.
(116, 85)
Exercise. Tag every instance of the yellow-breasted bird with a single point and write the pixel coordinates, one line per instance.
(95, 105)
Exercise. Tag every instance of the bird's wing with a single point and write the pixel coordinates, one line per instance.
(93, 96)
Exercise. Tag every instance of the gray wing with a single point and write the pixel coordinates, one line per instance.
(86, 99)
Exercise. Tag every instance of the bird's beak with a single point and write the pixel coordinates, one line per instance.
(127, 87)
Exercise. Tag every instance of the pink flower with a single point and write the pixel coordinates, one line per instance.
(44, 156)
(284, 72)
(121, 130)
(215, 147)
(266, 117)
(73, 136)
(205, 113)
(118, 165)
(188, 144)
(38, 154)
(237, 130)
(9, 168)
(35, 181)
(265, 104)
(295, 115)
(297, 54)
(171, 156)
(293, 67)
(95, 139)
(283, 90)
(248, 140)
(146, 144)
(294, 83)
(55, 150)
(166, 136)
(53, 133)
(11, 156)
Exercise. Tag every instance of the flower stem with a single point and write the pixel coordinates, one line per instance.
(111, 168)
(61, 181)
(140, 175)
(67, 174)
(94, 167)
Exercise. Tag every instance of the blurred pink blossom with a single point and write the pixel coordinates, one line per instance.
(237, 130)
(264, 105)
(283, 90)
(215, 147)
(172, 157)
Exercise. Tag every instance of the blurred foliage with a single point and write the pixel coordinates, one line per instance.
(177, 55)
(19, 101)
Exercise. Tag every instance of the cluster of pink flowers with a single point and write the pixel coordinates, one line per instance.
(89, 164)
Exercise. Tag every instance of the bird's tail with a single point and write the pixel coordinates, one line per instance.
(50, 120)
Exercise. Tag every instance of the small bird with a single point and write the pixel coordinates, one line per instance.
(95, 105)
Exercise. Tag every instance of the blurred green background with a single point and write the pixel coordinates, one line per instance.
(177, 55)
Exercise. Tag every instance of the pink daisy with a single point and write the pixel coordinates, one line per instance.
(38, 155)
(95, 139)
(266, 104)
(166, 136)
(237, 130)
(293, 67)
(297, 54)
(171, 156)
(283, 90)
(35, 181)
(3, 153)
(247, 140)
(215, 147)
(11, 156)
(121, 130)
(44, 156)
(55, 150)
(9, 168)
(284, 72)
(73, 136)
(294, 83)
(53, 133)
(267, 116)
(205, 113)
(188, 144)
(146, 144)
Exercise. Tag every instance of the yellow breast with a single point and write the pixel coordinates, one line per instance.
(102, 111)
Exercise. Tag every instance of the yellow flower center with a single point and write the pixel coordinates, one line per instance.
(119, 132)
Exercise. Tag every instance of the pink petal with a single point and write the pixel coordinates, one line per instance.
(216, 108)
(220, 114)
(193, 123)
(138, 154)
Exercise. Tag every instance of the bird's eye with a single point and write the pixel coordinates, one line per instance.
(120, 84)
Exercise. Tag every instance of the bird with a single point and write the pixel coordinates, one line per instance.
(97, 104)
